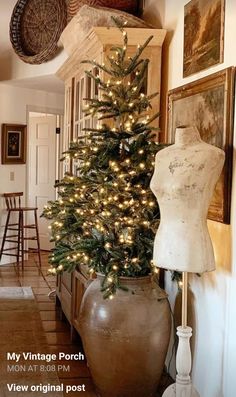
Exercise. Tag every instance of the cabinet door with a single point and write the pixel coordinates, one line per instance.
(79, 287)
(66, 301)
(66, 280)
(68, 121)
(66, 295)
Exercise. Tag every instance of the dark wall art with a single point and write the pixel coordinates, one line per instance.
(13, 144)
(203, 35)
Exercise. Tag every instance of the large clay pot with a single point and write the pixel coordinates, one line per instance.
(126, 339)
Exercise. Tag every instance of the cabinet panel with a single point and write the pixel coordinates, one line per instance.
(79, 287)
(66, 302)
(66, 279)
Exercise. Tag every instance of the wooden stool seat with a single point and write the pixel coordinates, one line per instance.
(23, 209)
(13, 204)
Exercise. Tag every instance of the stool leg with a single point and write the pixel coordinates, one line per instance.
(18, 241)
(37, 235)
(5, 234)
(22, 238)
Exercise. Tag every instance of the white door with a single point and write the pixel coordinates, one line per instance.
(42, 170)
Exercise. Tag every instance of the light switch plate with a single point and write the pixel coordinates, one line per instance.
(12, 176)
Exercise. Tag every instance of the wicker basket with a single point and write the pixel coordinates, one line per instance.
(35, 28)
(131, 6)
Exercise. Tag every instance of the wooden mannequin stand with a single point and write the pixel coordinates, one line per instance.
(183, 386)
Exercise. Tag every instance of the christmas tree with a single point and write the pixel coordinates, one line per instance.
(106, 215)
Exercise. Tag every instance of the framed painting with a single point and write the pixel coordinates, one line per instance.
(208, 104)
(203, 35)
(13, 144)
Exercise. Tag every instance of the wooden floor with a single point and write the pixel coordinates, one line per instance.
(57, 331)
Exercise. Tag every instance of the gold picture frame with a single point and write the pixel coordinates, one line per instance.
(208, 104)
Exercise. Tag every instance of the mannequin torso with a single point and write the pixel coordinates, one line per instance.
(183, 183)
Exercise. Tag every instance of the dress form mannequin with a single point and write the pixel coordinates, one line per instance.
(183, 181)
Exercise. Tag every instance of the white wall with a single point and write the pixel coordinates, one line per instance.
(214, 362)
(14, 102)
(11, 66)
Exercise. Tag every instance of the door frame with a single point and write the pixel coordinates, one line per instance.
(56, 112)
(59, 139)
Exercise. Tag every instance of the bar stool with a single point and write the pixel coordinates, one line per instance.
(13, 204)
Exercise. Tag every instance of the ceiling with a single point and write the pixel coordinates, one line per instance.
(48, 82)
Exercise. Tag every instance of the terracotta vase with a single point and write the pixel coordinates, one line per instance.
(126, 339)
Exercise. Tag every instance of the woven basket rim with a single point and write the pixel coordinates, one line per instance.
(15, 35)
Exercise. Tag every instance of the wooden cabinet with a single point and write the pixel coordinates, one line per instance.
(96, 46)
(78, 85)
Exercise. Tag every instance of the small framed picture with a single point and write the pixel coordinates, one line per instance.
(208, 103)
(13, 144)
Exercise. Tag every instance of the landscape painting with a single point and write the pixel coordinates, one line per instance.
(203, 35)
(208, 105)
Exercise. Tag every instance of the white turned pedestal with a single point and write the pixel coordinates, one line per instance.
(183, 386)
